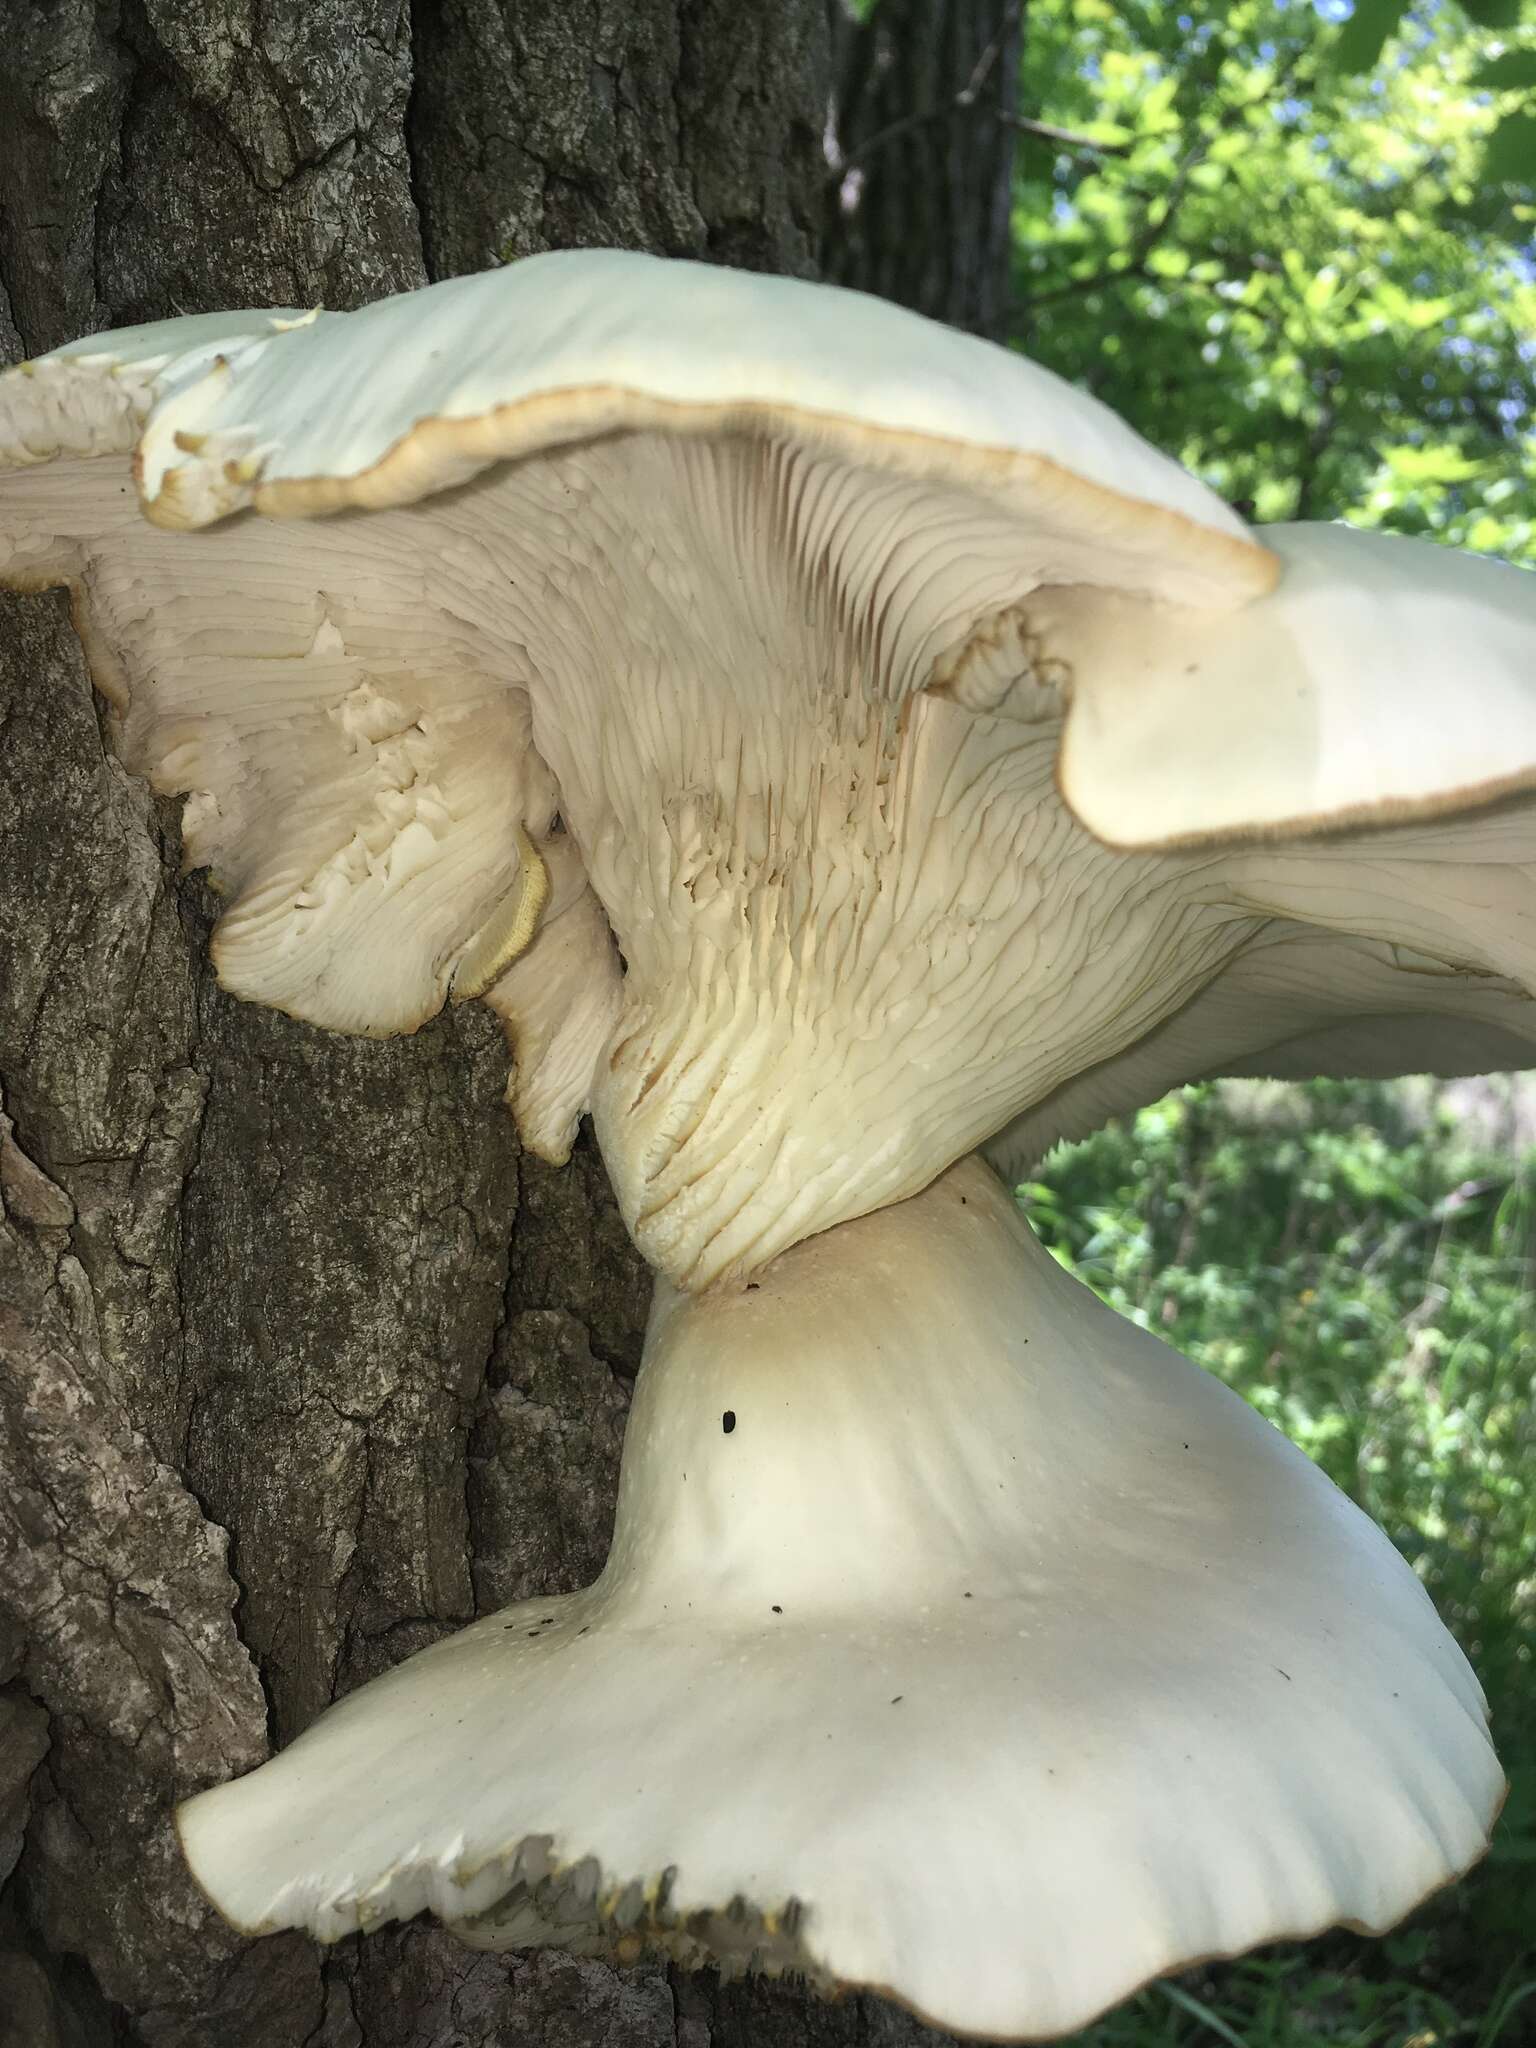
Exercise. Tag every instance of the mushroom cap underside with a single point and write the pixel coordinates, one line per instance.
(838, 593)
(346, 706)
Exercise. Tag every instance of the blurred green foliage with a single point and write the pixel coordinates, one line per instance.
(1350, 1264)
(1293, 242)
(1295, 246)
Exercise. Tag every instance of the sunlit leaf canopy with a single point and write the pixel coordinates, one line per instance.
(1296, 247)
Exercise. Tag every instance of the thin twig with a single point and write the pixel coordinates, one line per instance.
(989, 56)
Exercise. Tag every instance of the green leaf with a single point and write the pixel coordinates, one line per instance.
(1511, 72)
(1111, 134)
(1428, 312)
(1168, 261)
(1155, 110)
(1362, 37)
(1319, 293)
(1441, 464)
(1510, 157)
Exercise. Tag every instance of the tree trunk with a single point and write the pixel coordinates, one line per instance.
(256, 1279)
(921, 152)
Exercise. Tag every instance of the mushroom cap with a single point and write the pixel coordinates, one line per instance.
(738, 619)
(996, 1657)
(1382, 680)
(749, 611)
(92, 396)
(351, 707)
(1348, 761)
(421, 391)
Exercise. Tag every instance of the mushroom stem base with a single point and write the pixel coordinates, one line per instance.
(958, 1639)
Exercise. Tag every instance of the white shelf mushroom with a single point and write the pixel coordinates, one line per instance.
(746, 627)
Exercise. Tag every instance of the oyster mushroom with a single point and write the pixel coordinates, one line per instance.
(733, 626)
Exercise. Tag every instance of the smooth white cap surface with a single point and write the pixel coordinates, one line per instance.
(1383, 679)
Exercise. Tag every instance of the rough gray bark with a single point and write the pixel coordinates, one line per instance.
(300, 1363)
(921, 147)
